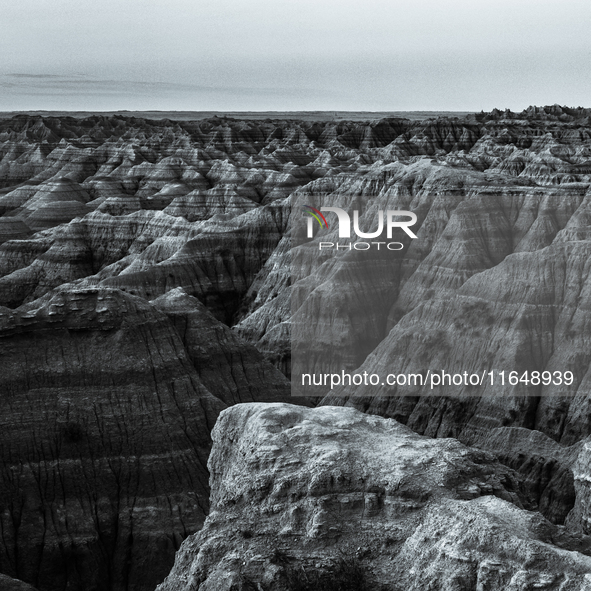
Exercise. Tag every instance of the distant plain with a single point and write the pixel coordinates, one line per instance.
(257, 115)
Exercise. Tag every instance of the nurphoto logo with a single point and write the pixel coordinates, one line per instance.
(344, 224)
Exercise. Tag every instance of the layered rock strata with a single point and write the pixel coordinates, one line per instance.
(106, 417)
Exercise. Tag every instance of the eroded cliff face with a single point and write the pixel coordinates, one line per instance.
(145, 284)
(106, 414)
(333, 498)
(105, 436)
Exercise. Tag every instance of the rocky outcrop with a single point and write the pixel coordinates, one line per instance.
(533, 325)
(13, 229)
(225, 363)
(335, 499)
(10, 584)
(545, 467)
(579, 519)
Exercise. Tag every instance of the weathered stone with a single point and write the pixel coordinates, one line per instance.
(330, 493)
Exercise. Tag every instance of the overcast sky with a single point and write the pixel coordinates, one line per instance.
(294, 55)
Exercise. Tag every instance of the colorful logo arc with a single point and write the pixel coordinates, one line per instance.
(319, 217)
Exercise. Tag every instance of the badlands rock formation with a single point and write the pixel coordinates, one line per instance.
(10, 584)
(331, 498)
(106, 414)
(105, 435)
(147, 270)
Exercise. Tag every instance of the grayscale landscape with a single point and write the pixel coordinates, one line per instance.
(148, 433)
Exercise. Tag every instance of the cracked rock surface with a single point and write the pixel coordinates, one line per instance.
(299, 492)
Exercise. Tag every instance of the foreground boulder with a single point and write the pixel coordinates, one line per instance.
(331, 498)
